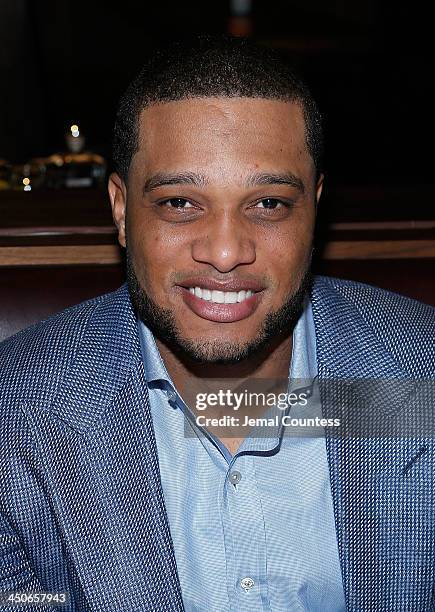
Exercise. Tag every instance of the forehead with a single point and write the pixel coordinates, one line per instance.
(206, 132)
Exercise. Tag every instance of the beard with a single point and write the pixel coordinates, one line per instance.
(161, 321)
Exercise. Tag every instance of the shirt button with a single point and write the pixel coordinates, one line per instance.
(247, 583)
(235, 477)
(171, 395)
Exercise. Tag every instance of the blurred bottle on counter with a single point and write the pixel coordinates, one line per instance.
(75, 168)
(25, 177)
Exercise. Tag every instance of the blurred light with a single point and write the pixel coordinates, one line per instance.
(75, 130)
(27, 188)
(26, 181)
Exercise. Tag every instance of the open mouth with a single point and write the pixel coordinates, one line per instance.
(232, 301)
(221, 297)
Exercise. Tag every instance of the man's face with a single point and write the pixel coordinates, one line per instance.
(218, 216)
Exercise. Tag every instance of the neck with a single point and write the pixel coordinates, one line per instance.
(272, 362)
(270, 365)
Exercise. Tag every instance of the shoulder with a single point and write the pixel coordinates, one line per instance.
(36, 359)
(404, 326)
(377, 305)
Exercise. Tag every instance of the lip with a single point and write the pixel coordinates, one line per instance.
(229, 285)
(221, 313)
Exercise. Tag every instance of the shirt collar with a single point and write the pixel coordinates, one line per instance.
(155, 369)
(303, 364)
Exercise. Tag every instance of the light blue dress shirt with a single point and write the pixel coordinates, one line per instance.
(252, 531)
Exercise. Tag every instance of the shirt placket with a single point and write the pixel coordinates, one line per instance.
(244, 536)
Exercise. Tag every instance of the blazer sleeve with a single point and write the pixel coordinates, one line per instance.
(16, 574)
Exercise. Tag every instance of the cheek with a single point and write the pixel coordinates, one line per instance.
(156, 254)
(285, 255)
(285, 246)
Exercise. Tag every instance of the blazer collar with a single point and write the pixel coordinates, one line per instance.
(107, 356)
(347, 345)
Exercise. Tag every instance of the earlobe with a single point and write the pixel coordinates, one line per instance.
(118, 200)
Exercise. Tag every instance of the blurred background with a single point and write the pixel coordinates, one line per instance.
(64, 64)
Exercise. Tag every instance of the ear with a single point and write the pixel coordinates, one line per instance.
(118, 201)
(319, 187)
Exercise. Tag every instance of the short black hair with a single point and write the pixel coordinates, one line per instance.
(211, 66)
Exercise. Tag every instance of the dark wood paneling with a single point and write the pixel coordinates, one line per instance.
(413, 278)
(29, 294)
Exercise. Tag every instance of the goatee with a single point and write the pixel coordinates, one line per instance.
(163, 325)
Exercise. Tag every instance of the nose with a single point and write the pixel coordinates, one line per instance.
(225, 243)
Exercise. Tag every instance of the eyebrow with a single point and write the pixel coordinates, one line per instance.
(288, 178)
(181, 178)
(198, 180)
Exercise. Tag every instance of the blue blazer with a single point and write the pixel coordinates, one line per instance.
(81, 503)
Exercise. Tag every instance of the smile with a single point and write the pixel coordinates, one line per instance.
(221, 306)
(221, 297)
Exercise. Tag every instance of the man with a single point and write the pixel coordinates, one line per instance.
(113, 493)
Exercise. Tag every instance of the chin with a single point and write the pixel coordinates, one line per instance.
(217, 352)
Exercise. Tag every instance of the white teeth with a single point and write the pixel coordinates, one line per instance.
(221, 297)
(218, 297)
(230, 297)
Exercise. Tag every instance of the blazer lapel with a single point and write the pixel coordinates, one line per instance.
(382, 485)
(97, 445)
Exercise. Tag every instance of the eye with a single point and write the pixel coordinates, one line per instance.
(176, 203)
(271, 204)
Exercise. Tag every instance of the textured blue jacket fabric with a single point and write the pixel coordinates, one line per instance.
(81, 503)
